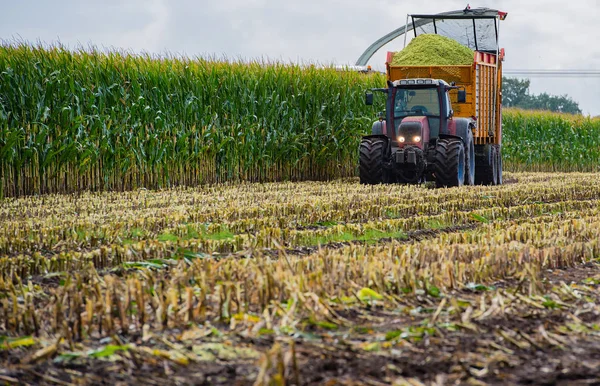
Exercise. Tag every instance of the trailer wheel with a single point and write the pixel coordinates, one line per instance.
(498, 165)
(470, 160)
(449, 163)
(372, 154)
(486, 167)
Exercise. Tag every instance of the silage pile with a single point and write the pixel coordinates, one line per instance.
(433, 50)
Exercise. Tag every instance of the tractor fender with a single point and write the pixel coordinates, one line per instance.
(379, 128)
(380, 136)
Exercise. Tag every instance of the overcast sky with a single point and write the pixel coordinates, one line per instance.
(542, 34)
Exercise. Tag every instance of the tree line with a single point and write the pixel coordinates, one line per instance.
(515, 93)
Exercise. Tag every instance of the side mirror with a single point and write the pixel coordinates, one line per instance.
(462, 96)
(369, 99)
(451, 114)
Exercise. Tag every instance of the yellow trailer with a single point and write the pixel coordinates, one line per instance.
(482, 82)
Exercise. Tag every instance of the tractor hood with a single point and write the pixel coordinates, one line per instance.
(413, 131)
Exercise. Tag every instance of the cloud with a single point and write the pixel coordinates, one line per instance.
(538, 34)
(154, 34)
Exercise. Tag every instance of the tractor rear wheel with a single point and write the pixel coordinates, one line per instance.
(373, 152)
(449, 167)
(486, 167)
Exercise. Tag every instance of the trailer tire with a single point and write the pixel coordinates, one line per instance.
(449, 167)
(498, 165)
(470, 160)
(372, 155)
(486, 168)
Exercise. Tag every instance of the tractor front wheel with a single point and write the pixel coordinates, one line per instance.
(449, 163)
(373, 152)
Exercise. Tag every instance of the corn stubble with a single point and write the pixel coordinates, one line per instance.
(181, 278)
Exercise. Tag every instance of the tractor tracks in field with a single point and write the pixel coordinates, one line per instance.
(275, 253)
(411, 236)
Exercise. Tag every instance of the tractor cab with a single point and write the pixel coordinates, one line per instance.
(418, 110)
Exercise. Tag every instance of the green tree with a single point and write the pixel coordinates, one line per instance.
(563, 104)
(515, 93)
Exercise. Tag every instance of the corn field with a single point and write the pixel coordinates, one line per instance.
(544, 141)
(73, 121)
(307, 277)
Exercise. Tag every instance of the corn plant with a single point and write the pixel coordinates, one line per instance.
(87, 120)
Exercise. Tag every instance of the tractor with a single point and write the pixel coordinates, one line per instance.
(441, 123)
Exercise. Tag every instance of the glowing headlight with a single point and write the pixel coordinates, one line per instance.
(417, 139)
(401, 139)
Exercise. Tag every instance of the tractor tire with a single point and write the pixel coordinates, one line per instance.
(449, 166)
(486, 167)
(470, 160)
(372, 154)
(498, 165)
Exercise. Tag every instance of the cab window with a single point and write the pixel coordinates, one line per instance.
(417, 102)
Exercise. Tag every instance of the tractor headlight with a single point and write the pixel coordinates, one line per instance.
(401, 139)
(416, 139)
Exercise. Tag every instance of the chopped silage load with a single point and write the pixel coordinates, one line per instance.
(433, 50)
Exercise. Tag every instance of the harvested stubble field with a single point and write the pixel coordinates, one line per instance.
(304, 283)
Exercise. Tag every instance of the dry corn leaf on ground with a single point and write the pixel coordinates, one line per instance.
(304, 283)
